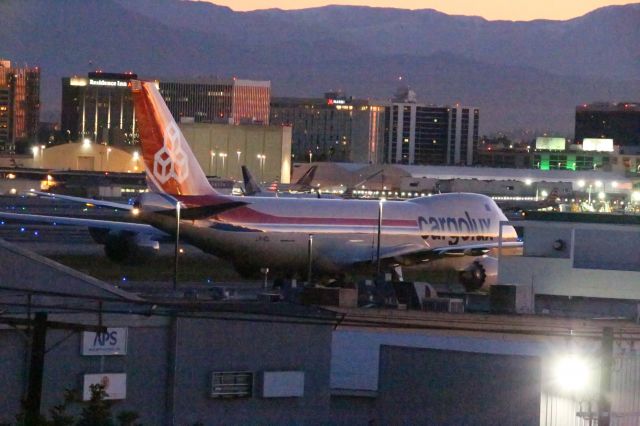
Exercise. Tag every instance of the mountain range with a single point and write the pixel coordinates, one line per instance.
(522, 75)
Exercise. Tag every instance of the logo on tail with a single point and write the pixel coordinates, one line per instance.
(170, 161)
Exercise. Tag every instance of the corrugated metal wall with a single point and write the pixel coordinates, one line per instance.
(561, 410)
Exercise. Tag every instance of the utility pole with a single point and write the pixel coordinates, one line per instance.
(310, 256)
(379, 235)
(36, 369)
(177, 248)
(606, 360)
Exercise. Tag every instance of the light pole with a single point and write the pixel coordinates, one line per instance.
(261, 158)
(380, 202)
(310, 259)
(175, 264)
(223, 155)
(213, 156)
(108, 152)
(238, 154)
(310, 157)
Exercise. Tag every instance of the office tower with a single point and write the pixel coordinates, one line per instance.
(19, 105)
(417, 133)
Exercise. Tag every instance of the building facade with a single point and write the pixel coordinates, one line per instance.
(417, 133)
(218, 101)
(618, 121)
(221, 150)
(333, 128)
(99, 107)
(19, 105)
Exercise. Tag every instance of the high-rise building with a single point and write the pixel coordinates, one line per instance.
(617, 121)
(19, 105)
(333, 128)
(418, 133)
(99, 107)
(218, 101)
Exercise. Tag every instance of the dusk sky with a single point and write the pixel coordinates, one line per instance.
(490, 9)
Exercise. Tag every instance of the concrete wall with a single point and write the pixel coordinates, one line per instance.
(426, 386)
(274, 142)
(203, 346)
(597, 260)
(91, 157)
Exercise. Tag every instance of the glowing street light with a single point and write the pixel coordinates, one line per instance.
(572, 373)
(213, 156)
(261, 158)
(223, 155)
(86, 143)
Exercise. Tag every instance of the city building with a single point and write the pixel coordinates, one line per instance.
(617, 121)
(19, 105)
(334, 128)
(218, 101)
(99, 108)
(417, 133)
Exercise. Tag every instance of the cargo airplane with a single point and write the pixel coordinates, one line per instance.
(255, 232)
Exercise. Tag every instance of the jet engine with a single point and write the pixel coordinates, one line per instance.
(124, 246)
(480, 274)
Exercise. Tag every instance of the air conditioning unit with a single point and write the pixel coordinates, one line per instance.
(443, 304)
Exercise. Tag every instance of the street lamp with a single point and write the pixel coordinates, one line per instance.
(108, 152)
(223, 155)
(261, 158)
(177, 248)
(380, 203)
(310, 157)
(238, 152)
(213, 154)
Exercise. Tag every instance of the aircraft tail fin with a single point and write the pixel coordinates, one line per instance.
(170, 165)
(306, 179)
(251, 187)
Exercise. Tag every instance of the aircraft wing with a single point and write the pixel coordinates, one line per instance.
(90, 201)
(112, 225)
(411, 254)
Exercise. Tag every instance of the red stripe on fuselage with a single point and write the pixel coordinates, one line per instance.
(249, 215)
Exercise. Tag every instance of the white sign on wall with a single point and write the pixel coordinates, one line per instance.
(115, 385)
(111, 342)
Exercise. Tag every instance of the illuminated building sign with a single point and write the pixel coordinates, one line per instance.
(111, 83)
(336, 101)
(551, 144)
(596, 144)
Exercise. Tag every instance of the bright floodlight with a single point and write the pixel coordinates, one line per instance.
(601, 195)
(635, 196)
(598, 183)
(580, 184)
(571, 373)
(527, 182)
(34, 149)
(136, 155)
(86, 142)
(544, 193)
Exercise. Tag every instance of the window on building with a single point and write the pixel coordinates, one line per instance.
(231, 384)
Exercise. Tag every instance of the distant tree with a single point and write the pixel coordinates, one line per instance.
(98, 410)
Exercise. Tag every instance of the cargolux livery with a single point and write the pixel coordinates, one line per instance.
(256, 232)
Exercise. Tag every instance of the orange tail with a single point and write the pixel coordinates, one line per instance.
(169, 162)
